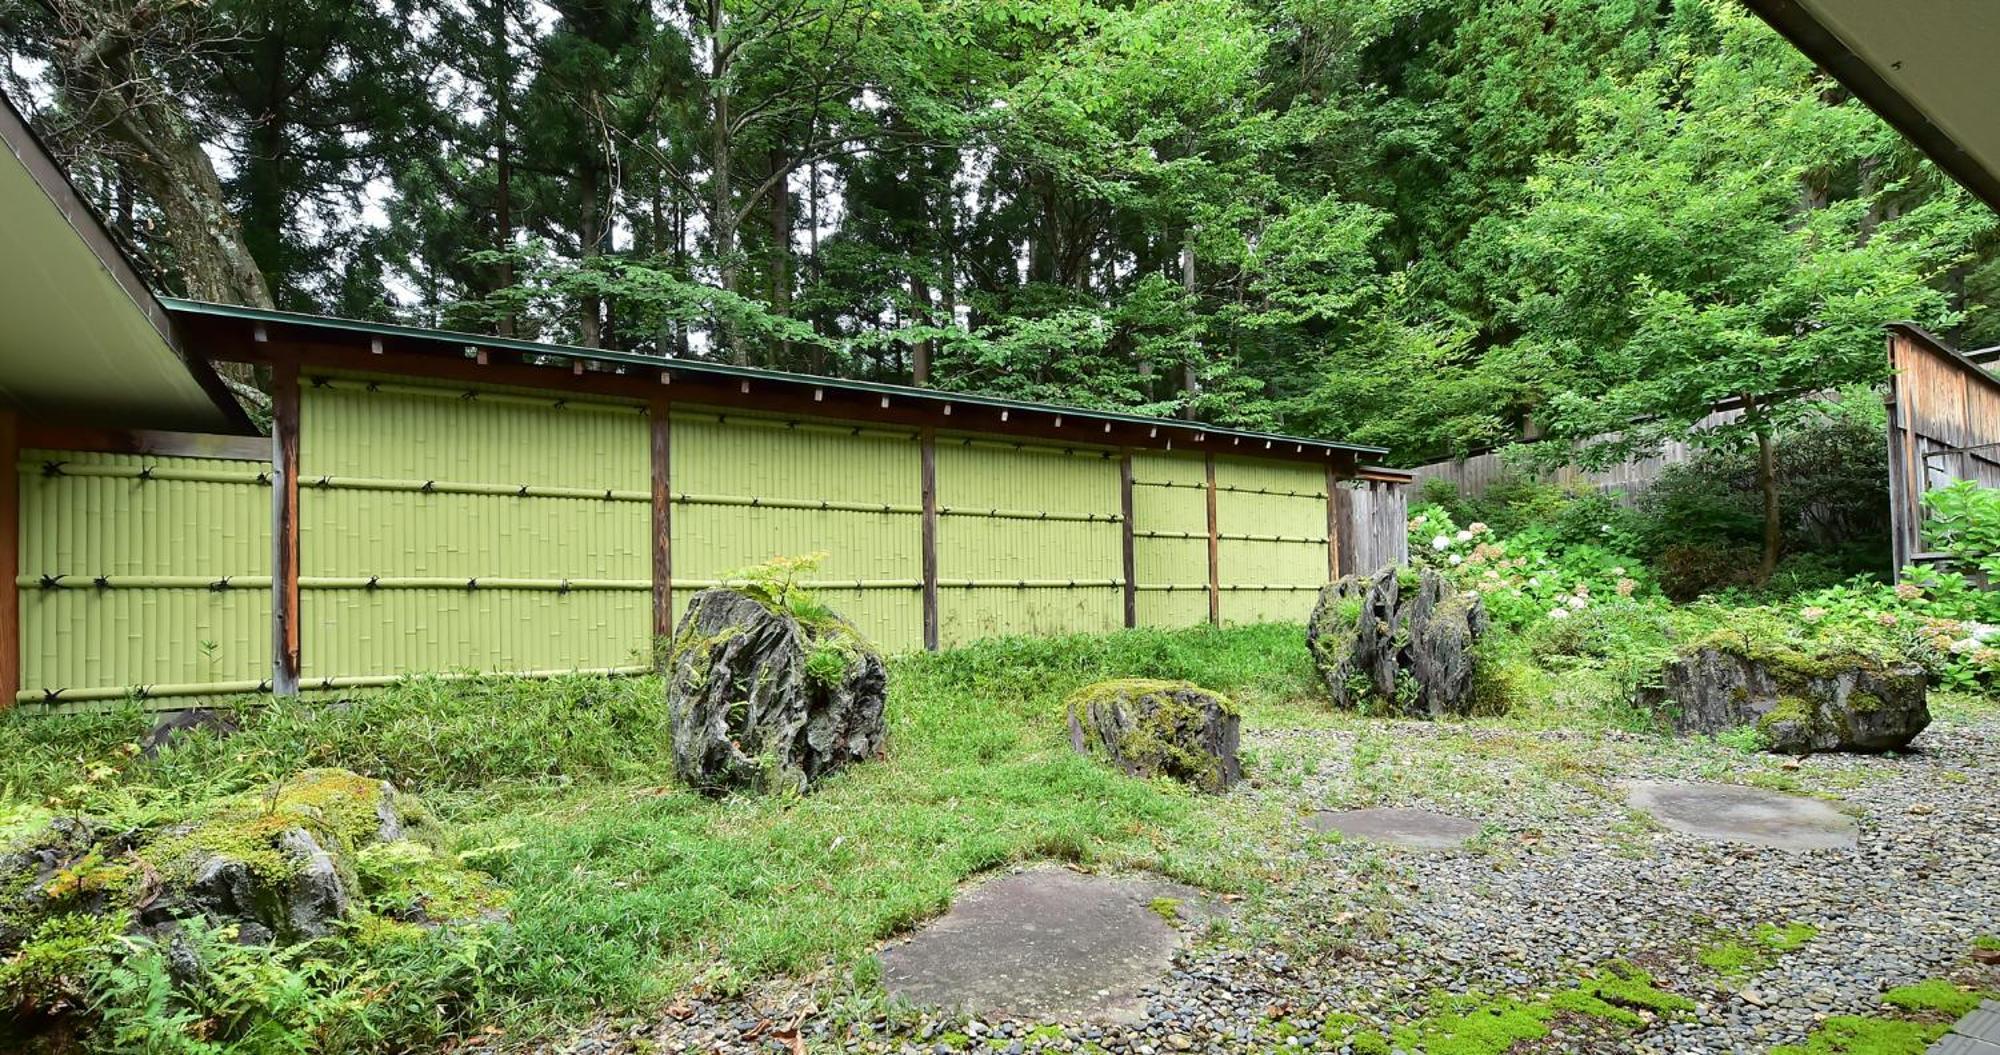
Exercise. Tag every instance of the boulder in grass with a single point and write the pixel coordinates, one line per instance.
(1159, 728)
(281, 865)
(1798, 703)
(761, 695)
(1406, 646)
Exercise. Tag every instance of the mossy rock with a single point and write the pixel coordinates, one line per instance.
(1400, 641)
(1797, 701)
(760, 698)
(285, 864)
(1150, 728)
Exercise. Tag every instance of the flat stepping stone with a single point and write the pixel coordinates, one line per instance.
(1419, 829)
(1978, 1033)
(1045, 943)
(1730, 813)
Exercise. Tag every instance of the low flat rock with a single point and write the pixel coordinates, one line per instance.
(1730, 813)
(1419, 829)
(1044, 943)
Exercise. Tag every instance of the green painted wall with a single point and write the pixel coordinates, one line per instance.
(992, 538)
(722, 463)
(1271, 517)
(1170, 538)
(85, 516)
(357, 441)
(442, 531)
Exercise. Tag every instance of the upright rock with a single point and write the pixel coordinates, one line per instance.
(759, 698)
(1410, 652)
(1159, 728)
(1798, 703)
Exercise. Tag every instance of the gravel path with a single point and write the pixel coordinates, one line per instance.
(1564, 879)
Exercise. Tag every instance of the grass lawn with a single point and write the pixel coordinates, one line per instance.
(625, 887)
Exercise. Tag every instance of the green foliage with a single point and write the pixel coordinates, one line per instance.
(1964, 522)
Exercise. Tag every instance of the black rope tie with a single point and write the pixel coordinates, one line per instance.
(373, 582)
(1021, 584)
(564, 587)
(607, 494)
(52, 695)
(560, 404)
(146, 472)
(102, 582)
(430, 487)
(323, 482)
(472, 584)
(468, 395)
(53, 468)
(373, 386)
(321, 382)
(523, 492)
(264, 478)
(51, 582)
(220, 585)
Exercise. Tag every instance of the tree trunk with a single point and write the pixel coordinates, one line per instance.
(1190, 371)
(129, 116)
(265, 215)
(589, 236)
(1767, 487)
(920, 351)
(502, 87)
(781, 248)
(721, 189)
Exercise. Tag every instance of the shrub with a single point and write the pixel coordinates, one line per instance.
(1965, 523)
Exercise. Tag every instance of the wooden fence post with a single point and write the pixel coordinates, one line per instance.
(1333, 525)
(661, 413)
(285, 528)
(10, 558)
(930, 557)
(1125, 541)
(1214, 551)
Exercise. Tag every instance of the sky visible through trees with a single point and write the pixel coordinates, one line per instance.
(1434, 225)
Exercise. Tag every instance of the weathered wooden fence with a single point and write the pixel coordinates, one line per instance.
(1472, 475)
(1944, 426)
(466, 529)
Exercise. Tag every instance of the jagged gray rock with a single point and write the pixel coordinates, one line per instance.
(1409, 653)
(1153, 728)
(757, 698)
(1799, 704)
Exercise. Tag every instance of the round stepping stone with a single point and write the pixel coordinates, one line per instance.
(1419, 829)
(1730, 813)
(1044, 943)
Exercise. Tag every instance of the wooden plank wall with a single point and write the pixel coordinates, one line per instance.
(1473, 475)
(1944, 426)
(1373, 518)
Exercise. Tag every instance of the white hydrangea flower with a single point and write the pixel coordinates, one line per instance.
(1441, 543)
(1578, 602)
(1456, 559)
(1464, 536)
(1558, 613)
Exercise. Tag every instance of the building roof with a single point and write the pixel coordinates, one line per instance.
(222, 325)
(1924, 65)
(86, 342)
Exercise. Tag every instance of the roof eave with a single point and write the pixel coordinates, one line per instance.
(321, 325)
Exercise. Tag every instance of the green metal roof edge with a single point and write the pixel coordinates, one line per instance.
(651, 362)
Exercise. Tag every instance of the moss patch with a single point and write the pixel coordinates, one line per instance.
(1935, 996)
(1738, 958)
(1619, 993)
(1855, 1035)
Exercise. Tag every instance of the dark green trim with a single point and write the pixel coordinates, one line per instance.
(906, 393)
